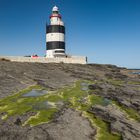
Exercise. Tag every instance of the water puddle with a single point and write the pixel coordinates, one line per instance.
(44, 105)
(35, 93)
(106, 102)
(135, 73)
(84, 86)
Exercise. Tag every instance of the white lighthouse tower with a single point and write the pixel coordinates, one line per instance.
(55, 35)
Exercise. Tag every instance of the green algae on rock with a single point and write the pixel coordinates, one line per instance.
(131, 113)
(103, 132)
(77, 96)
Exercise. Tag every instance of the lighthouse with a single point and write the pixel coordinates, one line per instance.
(55, 45)
(55, 35)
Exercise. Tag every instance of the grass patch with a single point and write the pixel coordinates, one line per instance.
(73, 92)
(133, 82)
(116, 82)
(43, 116)
(18, 105)
(131, 113)
(97, 100)
(102, 128)
(54, 98)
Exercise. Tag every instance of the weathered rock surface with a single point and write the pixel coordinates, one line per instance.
(9, 130)
(119, 123)
(69, 125)
(125, 94)
(17, 76)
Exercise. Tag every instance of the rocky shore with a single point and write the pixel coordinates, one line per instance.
(105, 107)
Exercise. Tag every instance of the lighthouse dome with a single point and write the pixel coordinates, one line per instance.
(55, 9)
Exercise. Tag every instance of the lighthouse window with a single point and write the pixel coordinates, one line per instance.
(55, 12)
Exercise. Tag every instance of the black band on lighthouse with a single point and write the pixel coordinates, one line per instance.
(55, 45)
(55, 29)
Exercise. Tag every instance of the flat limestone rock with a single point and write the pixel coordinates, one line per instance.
(71, 126)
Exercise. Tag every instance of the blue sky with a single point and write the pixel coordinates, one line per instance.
(107, 31)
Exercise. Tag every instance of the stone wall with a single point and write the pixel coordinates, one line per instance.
(72, 59)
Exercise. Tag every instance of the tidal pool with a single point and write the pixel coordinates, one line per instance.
(84, 86)
(35, 93)
(106, 102)
(44, 105)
